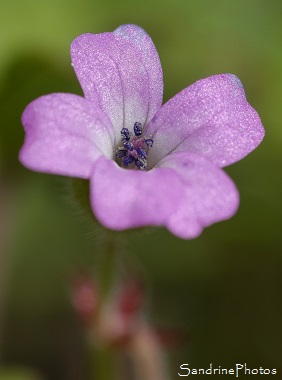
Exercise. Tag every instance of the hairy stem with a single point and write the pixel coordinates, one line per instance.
(102, 355)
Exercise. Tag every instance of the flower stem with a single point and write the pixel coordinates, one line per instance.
(107, 264)
(102, 364)
(147, 356)
(102, 355)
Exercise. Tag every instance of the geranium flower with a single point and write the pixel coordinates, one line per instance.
(147, 164)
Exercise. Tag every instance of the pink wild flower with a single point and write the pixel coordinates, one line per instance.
(148, 163)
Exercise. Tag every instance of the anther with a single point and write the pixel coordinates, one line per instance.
(149, 142)
(140, 163)
(128, 160)
(128, 145)
(137, 129)
(121, 152)
(125, 134)
(141, 153)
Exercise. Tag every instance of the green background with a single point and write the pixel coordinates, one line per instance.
(222, 291)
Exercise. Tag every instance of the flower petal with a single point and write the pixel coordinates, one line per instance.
(209, 194)
(212, 117)
(122, 72)
(65, 134)
(124, 198)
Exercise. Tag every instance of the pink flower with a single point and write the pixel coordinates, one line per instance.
(147, 164)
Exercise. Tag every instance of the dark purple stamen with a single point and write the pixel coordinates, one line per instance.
(134, 149)
(128, 145)
(125, 134)
(128, 160)
(149, 142)
(140, 163)
(121, 152)
(141, 153)
(137, 129)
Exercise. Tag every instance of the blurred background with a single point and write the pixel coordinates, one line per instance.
(222, 291)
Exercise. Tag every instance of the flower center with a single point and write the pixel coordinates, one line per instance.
(134, 149)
